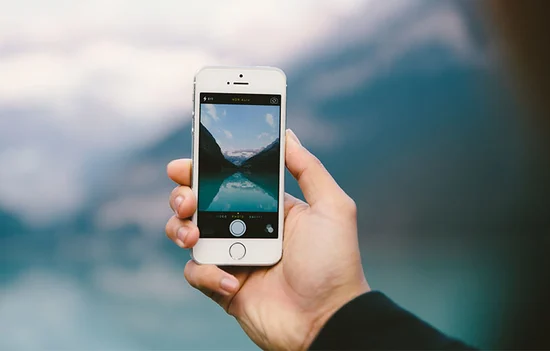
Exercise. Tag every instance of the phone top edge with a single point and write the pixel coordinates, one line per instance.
(249, 68)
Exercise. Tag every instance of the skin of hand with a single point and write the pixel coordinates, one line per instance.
(283, 307)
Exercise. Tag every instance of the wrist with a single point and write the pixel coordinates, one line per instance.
(320, 319)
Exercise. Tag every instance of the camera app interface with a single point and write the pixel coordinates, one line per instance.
(239, 154)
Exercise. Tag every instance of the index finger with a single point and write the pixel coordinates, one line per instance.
(180, 171)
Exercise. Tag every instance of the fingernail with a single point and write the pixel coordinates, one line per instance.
(180, 243)
(230, 285)
(293, 136)
(177, 203)
(182, 233)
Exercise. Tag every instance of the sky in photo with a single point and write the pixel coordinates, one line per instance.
(241, 127)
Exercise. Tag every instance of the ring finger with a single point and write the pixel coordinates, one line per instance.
(183, 232)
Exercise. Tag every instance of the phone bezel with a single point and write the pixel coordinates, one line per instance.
(261, 80)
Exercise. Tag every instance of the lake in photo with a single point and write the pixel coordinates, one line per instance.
(238, 192)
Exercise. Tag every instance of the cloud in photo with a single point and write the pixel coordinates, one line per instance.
(228, 134)
(264, 135)
(211, 112)
(269, 119)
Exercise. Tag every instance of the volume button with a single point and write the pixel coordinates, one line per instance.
(193, 120)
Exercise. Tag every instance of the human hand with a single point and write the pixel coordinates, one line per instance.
(283, 307)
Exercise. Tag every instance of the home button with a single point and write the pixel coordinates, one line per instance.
(237, 251)
(237, 227)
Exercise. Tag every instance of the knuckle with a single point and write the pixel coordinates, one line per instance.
(349, 205)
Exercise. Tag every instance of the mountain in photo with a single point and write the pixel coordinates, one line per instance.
(238, 157)
(266, 160)
(211, 156)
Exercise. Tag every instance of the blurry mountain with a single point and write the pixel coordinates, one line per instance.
(10, 225)
(12, 230)
(266, 160)
(211, 156)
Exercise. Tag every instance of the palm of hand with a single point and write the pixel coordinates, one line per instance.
(279, 306)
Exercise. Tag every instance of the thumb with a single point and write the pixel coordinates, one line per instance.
(316, 183)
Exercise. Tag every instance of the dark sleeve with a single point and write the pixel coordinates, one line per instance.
(373, 322)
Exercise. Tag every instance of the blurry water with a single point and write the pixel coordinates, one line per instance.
(238, 192)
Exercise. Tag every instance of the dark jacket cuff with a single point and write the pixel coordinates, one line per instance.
(374, 322)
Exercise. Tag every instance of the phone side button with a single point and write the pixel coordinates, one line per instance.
(237, 251)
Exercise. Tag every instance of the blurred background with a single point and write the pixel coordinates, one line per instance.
(405, 102)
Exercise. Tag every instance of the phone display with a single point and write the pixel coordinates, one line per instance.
(239, 165)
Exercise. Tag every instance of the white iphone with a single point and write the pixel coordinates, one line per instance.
(238, 164)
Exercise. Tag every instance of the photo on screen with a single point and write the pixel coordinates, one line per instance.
(239, 158)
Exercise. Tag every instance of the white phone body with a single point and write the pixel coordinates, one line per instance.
(221, 246)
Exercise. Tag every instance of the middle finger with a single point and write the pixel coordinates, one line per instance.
(183, 202)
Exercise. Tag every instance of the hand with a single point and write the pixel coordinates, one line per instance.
(283, 306)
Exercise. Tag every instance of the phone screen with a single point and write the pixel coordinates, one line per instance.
(239, 165)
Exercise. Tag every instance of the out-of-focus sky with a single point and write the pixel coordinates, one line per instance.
(108, 76)
(401, 99)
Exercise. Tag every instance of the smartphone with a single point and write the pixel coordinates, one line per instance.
(238, 128)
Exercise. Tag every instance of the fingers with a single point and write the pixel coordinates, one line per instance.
(183, 232)
(183, 201)
(212, 281)
(316, 183)
(180, 171)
